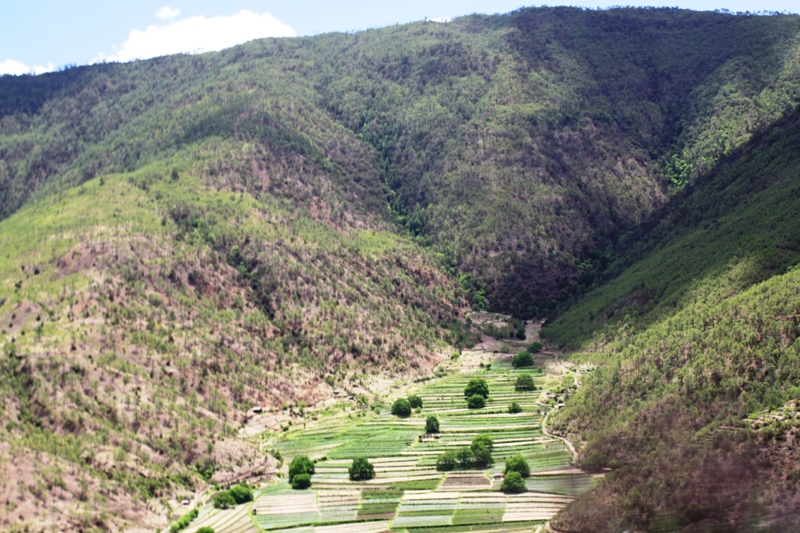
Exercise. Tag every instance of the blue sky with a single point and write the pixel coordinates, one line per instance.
(40, 35)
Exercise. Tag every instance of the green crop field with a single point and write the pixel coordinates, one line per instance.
(408, 493)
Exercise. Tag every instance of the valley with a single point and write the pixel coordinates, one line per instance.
(408, 493)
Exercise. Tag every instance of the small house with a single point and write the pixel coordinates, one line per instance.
(258, 410)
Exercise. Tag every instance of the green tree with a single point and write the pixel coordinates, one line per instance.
(241, 493)
(483, 439)
(476, 401)
(224, 500)
(535, 347)
(519, 465)
(465, 457)
(522, 359)
(205, 529)
(447, 461)
(431, 425)
(401, 408)
(482, 456)
(300, 465)
(415, 401)
(361, 470)
(301, 481)
(477, 386)
(513, 483)
(524, 382)
(514, 408)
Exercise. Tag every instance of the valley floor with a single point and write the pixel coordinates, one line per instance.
(408, 494)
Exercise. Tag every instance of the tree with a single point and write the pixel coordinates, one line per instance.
(205, 529)
(514, 408)
(519, 465)
(524, 382)
(465, 457)
(300, 465)
(241, 494)
(535, 347)
(482, 456)
(447, 461)
(361, 470)
(522, 359)
(224, 500)
(513, 484)
(431, 425)
(401, 408)
(301, 481)
(415, 401)
(476, 401)
(483, 439)
(477, 386)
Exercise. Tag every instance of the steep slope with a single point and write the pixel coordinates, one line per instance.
(516, 144)
(695, 402)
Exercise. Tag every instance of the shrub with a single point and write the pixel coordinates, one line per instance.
(595, 460)
(481, 456)
(184, 521)
(361, 469)
(447, 461)
(477, 386)
(205, 529)
(415, 401)
(224, 500)
(524, 382)
(241, 494)
(522, 359)
(476, 401)
(301, 481)
(535, 347)
(300, 465)
(513, 484)
(431, 425)
(483, 439)
(514, 408)
(517, 464)
(401, 408)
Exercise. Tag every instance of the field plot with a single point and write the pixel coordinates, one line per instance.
(408, 494)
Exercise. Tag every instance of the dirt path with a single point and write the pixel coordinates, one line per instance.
(562, 439)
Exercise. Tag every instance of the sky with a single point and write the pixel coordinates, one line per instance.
(43, 35)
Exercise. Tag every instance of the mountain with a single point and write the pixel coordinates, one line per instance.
(695, 401)
(188, 237)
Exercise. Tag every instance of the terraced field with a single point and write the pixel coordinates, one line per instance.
(408, 494)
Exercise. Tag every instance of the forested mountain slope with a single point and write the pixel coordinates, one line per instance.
(695, 401)
(517, 144)
(186, 237)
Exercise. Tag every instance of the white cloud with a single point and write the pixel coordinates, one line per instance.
(16, 68)
(167, 13)
(199, 34)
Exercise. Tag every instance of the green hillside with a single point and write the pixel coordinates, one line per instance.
(695, 400)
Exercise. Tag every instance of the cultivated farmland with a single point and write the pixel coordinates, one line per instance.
(408, 493)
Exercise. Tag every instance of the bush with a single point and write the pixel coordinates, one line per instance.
(477, 386)
(524, 382)
(522, 359)
(484, 439)
(415, 401)
(401, 408)
(517, 464)
(184, 521)
(595, 460)
(513, 484)
(224, 500)
(446, 462)
(241, 494)
(360, 470)
(300, 465)
(205, 529)
(301, 481)
(535, 347)
(431, 425)
(476, 401)
(514, 408)
(481, 456)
